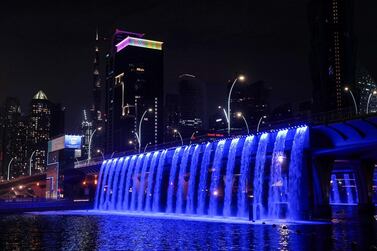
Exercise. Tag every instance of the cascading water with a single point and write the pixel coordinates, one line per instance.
(335, 198)
(181, 180)
(99, 181)
(192, 181)
(140, 199)
(202, 188)
(295, 173)
(228, 189)
(119, 198)
(215, 178)
(152, 169)
(130, 170)
(114, 184)
(350, 196)
(260, 162)
(276, 196)
(142, 159)
(157, 189)
(243, 182)
(172, 176)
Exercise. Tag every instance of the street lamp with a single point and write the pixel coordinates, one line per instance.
(225, 114)
(138, 136)
(180, 136)
(260, 121)
(240, 78)
(90, 142)
(10, 162)
(99, 151)
(145, 148)
(192, 135)
(31, 157)
(347, 89)
(240, 115)
(370, 96)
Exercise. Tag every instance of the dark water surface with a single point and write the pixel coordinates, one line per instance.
(120, 232)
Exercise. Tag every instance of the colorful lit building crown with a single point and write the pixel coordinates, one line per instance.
(139, 42)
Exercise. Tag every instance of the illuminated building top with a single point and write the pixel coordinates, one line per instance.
(40, 95)
(139, 42)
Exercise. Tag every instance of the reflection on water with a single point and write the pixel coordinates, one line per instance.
(119, 232)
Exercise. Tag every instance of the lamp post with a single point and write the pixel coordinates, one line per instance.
(260, 121)
(369, 98)
(112, 154)
(192, 135)
(241, 78)
(145, 148)
(180, 136)
(99, 151)
(347, 89)
(31, 157)
(90, 142)
(10, 162)
(138, 136)
(240, 115)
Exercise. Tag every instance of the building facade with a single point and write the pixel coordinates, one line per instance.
(134, 92)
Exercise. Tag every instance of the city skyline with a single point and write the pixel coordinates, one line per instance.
(221, 51)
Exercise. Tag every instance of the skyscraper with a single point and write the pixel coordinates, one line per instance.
(97, 86)
(134, 87)
(40, 126)
(332, 56)
(364, 87)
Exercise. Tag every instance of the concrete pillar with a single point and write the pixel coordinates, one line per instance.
(364, 181)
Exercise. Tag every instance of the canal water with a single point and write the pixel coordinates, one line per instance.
(104, 231)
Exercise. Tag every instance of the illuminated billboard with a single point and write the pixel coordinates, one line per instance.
(66, 141)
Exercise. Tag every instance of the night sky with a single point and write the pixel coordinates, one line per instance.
(50, 45)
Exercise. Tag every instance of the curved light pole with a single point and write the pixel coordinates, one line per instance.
(369, 97)
(138, 136)
(347, 89)
(10, 162)
(241, 78)
(240, 115)
(180, 136)
(90, 142)
(192, 135)
(145, 148)
(112, 154)
(31, 157)
(99, 151)
(260, 121)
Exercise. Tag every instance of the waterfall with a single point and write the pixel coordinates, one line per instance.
(335, 198)
(158, 180)
(114, 184)
(109, 184)
(295, 173)
(119, 199)
(140, 199)
(228, 189)
(128, 182)
(150, 181)
(171, 185)
(260, 162)
(347, 183)
(135, 179)
(192, 181)
(99, 182)
(104, 184)
(244, 176)
(215, 178)
(276, 195)
(202, 188)
(181, 180)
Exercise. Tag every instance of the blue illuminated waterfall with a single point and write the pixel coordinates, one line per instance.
(256, 175)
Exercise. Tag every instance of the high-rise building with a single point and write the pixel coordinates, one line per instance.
(40, 127)
(86, 131)
(134, 87)
(13, 139)
(332, 57)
